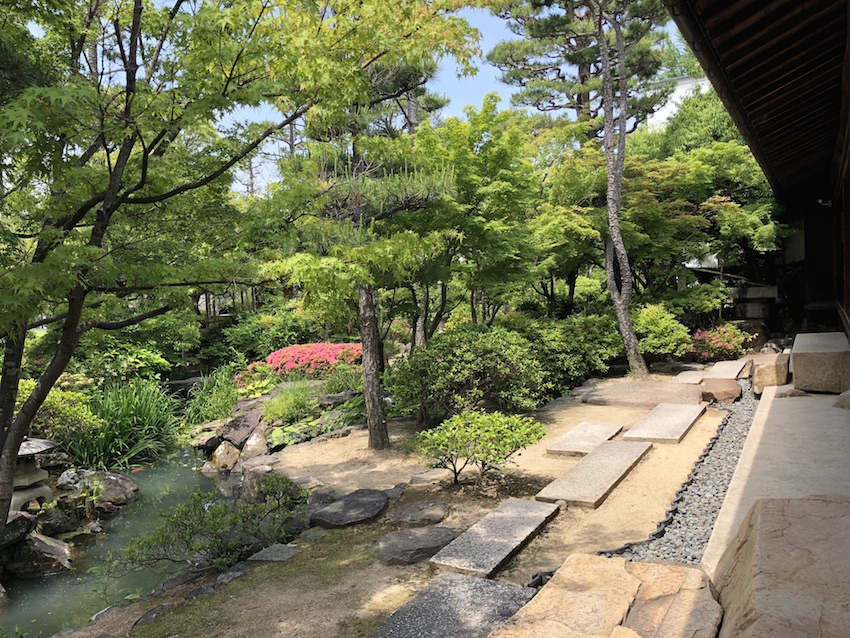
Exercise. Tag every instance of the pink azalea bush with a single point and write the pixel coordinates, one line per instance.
(313, 359)
(721, 342)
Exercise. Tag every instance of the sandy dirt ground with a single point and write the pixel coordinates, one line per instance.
(336, 588)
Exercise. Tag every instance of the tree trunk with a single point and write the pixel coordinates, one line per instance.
(376, 418)
(617, 270)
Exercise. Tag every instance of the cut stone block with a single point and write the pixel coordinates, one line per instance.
(455, 606)
(726, 369)
(596, 596)
(590, 480)
(689, 376)
(720, 390)
(485, 547)
(667, 423)
(787, 573)
(643, 393)
(821, 362)
(584, 438)
(768, 370)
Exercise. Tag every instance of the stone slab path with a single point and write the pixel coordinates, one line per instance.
(726, 369)
(689, 376)
(596, 596)
(667, 423)
(455, 606)
(643, 393)
(491, 542)
(590, 480)
(584, 438)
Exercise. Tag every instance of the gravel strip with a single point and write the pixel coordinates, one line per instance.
(693, 513)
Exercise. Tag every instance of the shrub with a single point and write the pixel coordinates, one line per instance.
(722, 342)
(486, 440)
(313, 359)
(343, 378)
(569, 350)
(258, 379)
(64, 416)
(293, 403)
(258, 333)
(213, 397)
(461, 369)
(122, 361)
(139, 426)
(659, 332)
(219, 532)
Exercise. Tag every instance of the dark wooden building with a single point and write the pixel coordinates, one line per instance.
(781, 68)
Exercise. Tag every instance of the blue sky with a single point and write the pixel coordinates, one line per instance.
(471, 90)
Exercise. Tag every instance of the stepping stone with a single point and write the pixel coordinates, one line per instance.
(455, 606)
(643, 393)
(726, 369)
(667, 423)
(689, 376)
(591, 480)
(486, 546)
(409, 546)
(276, 553)
(584, 438)
(361, 506)
(420, 513)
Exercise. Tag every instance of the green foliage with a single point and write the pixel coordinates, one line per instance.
(213, 397)
(570, 350)
(696, 304)
(485, 440)
(256, 380)
(659, 332)
(64, 417)
(721, 342)
(140, 425)
(342, 378)
(353, 411)
(465, 368)
(219, 532)
(122, 362)
(257, 334)
(293, 402)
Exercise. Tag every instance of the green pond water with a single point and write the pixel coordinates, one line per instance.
(47, 605)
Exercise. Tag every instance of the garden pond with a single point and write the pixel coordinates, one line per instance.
(48, 604)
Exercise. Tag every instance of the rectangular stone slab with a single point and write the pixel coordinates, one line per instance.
(590, 480)
(726, 369)
(692, 377)
(821, 362)
(485, 547)
(455, 606)
(667, 423)
(584, 438)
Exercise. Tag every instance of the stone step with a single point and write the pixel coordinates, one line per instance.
(726, 369)
(642, 393)
(821, 362)
(590, 480)
(584, 438)
(596, 596)
(455, 606)
(485, 547)
(691, 377)
(667, 423)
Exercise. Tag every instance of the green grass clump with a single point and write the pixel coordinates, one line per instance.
(292, 404)
(213, 397)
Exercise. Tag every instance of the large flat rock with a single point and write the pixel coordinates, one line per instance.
(455, 606)
(726, 369)
(689, 376)
(821, 362)
(486, 546)
(408, 546)
(596, 596)
(590, 480)
(361, 506)
(643, 393)
(788, 571)
(584, 438)
(667, 423)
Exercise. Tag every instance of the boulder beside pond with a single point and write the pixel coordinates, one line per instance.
(109, 491)
(37, 555)
(18, 525)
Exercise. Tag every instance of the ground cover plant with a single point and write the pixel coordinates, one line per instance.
(485, 440)
(213, 397)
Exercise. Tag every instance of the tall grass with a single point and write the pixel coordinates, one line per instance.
(139, 426)
(293, 403)
(213, 397)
